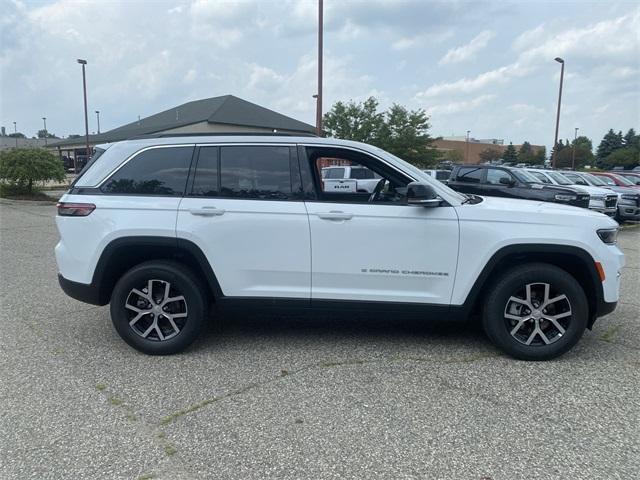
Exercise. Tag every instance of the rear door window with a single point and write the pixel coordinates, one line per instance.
(469, 174)
(258, 172)
(157, 171)
(494, 175)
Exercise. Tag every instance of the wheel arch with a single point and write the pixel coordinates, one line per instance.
(124, 253)
(574, 260)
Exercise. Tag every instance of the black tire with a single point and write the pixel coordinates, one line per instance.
(163, 338)
(500, 302)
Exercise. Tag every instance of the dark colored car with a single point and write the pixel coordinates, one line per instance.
(500, 181)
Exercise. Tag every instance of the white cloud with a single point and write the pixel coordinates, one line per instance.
(461, 106)
(465, 52)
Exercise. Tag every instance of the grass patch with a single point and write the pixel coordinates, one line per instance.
(169, 450)
(173, 416)
(147, 476)
(100, 387)
(610, 333)
(115, 401)
(14, 193)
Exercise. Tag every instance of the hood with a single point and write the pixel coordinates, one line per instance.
(569, 189)
(591, 190)
(499, 209)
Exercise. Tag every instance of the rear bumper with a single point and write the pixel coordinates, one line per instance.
(87, 293)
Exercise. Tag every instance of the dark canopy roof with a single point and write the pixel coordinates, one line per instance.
(227, 110)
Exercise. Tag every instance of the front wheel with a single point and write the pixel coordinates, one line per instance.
(535, 312)
(158, 307)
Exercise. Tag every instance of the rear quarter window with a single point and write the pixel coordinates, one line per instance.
(157, 171)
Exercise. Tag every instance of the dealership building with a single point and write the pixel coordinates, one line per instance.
(472, 147)
(225, 114)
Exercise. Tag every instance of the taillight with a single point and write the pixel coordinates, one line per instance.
(75, 209)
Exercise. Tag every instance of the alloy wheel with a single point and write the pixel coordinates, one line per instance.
(537, 314)
(157, 311)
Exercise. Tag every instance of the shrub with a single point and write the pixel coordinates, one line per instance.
(21, 167)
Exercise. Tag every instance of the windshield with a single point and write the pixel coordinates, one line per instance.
(624, 181)
(593, 180)
(559, 178)
(525, 176)
(424, 177)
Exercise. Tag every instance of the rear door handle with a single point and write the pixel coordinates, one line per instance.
(335, 215)
(206, 211)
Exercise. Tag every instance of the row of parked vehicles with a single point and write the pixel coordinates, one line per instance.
(616, 194)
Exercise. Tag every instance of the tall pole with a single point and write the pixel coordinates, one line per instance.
(15, 132)
(319, 94)
(44, 119)
(466, 156)
(573, 153)
(555, 141)
(86, 114)
(98, 116)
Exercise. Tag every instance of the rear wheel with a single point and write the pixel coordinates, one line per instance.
(158, 307)
(535, 312)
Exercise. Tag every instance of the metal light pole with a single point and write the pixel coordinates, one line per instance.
(573, 154)
(466, 156)
(555, 141)
(44, 119)
(86, 116)
(98, 116)
(15, 131)
(319, 94)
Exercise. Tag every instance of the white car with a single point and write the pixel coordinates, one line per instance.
(163, 228)
(441, 175)
(600, 199)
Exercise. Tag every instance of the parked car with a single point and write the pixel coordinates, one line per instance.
(352, 178)
(628, 199)
(600, 199)
(162, 228)
(613, 179)
(633, 177)
(441, 175)
(513, 183)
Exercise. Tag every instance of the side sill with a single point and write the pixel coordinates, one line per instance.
(87, 293)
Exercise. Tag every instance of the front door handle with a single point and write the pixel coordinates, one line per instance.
(207, 211)
(335, 215)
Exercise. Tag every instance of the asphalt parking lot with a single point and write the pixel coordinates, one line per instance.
(292, 398)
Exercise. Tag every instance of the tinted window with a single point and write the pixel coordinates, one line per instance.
(361, 173)
(576, 179)
(469, 174)
(205, 181)
(334, 173)
(494, 176)
(442, 175)
(541, 176)
(158, 171)
(255, 172)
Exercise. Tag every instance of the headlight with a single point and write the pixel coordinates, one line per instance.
(565, 198)
(608, 235)
(628, 199)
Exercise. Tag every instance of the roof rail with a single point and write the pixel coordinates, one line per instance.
(230, 134)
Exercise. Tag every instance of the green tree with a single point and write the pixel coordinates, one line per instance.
(490, 155)
(631, 139)
(623, 157)
(539, 156)
(510, 155)
(405, 133)
(454, 156)
(17, 134)
(611, 142)
(583, 157)
(43, 132)
(354, 121)
(20, 168)
(526, 153)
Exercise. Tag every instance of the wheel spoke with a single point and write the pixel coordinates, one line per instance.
(557, 325)
(518, 326)
(543, 336)
(515, 317)
(555, 299)
(140, 294)
(131, 307)
(559, 315)
(547, 288)
(177, 315)
(173, 325)
(159, 332)
(532, 336)
(528, 293)
(148, 330)
(174, 299)
(135, 319)
(167, 287)
(520, 301)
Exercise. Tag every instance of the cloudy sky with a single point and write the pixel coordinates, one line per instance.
(482, 66)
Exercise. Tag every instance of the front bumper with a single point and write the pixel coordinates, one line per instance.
(628, 212)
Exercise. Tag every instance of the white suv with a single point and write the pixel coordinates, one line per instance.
(166, 228)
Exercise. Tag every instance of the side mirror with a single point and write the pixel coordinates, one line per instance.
(422, 195)
(507, 181)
